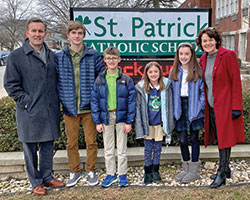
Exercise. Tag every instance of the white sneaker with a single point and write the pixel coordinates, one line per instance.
(73, 179)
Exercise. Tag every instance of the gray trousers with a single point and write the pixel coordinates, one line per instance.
(43, 174)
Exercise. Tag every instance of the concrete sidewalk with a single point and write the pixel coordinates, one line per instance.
(12, 163)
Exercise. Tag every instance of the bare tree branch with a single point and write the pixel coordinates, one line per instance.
(14, 14)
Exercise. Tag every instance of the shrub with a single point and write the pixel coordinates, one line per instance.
(9, 140)
(8, 130)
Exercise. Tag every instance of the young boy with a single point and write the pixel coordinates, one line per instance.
(113, 103)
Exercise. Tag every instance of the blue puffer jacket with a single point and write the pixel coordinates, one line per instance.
(91, 64)
(196, 100)
(125, 97)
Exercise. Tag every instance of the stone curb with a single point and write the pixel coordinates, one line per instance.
(12, 163)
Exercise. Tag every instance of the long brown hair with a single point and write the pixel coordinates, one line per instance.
(146, 86)
(194, 71)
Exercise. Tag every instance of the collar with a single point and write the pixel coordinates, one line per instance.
(27, 48)
(74, 53)
(151, 86)
(112, 76)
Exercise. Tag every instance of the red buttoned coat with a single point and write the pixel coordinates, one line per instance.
(227, 94)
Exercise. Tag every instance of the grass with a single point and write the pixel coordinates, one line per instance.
(138, 193)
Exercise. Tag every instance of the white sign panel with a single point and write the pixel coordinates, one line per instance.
(141, 32)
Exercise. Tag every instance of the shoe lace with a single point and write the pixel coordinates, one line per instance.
(71, 175)
(91, 174)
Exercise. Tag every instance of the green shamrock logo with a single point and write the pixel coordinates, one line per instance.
(86, 21)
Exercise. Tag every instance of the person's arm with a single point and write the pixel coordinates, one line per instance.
(138, 116)
(13, 83)
(131, 102)
(95, 106)
(99, 65)
(234, 73)
(202, 95)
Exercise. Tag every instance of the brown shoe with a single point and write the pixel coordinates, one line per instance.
(55, 183)
(39, 190)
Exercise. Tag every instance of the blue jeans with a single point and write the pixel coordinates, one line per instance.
(44, 173)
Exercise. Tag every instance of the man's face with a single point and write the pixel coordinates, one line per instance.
(76, 37)
(36, 33)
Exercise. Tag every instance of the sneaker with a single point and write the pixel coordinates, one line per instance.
(92, 178)
(123, 181)
(73, 179)
(109, 180)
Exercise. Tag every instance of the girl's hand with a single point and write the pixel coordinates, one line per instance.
(127, 128)
(99, 128)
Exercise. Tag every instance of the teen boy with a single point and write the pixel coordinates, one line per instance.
(78, 66)
(113, 101)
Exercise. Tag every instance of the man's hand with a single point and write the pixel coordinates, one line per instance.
(99, 128)
(127, 128)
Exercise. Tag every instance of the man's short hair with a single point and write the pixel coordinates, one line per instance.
(112, 51)
(35, 20)
(75, 25)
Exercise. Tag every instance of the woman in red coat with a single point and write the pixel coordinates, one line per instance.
(223, 99)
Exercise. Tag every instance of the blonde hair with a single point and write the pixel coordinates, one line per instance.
(146, 86)
(194, 70)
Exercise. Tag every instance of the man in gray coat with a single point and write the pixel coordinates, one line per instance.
(30, 79)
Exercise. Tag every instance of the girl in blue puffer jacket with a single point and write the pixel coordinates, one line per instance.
(189, 105)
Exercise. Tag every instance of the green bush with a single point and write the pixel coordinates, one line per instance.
(8, 129)
(9, 140)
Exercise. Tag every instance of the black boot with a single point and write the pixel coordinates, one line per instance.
(227, 173)
(156, 174)
(219, 180)
(148, 176)
(224, 163)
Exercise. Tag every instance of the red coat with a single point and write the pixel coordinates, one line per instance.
(227, 94)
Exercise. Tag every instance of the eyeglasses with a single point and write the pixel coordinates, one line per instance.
(111, 58)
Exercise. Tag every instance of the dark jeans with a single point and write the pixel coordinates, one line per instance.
(44, 173)
(195, 145)
(223, 153)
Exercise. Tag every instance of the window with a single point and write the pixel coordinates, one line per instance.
(235, 6)
(242, 45)
(222, 8)
(218, 10)
(245, 4)
(226, 7)
(228, 42)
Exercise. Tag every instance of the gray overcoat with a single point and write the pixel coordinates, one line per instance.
(32, 84)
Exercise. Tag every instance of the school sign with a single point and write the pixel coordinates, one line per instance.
(141, 32)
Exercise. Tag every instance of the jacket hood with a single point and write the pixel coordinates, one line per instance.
(166, 82)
